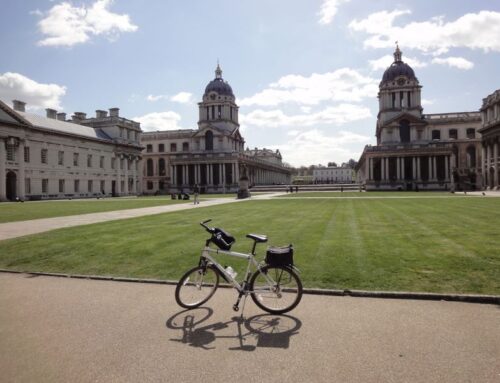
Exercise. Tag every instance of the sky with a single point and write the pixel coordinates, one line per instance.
(305, 72)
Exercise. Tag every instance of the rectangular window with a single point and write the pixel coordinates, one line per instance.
(161, 148)
(149, 148)
(89, 160)
(113, 163)
(45, 185)
(75, 159)
(173, 147)
(219, 111)
(101, 162)
(453, 134)
(27, 186)
(208, 114)
(394, 99)
(408, 98)
(401, 99)
(60, 158)
(213, 112)
(43, 156)
(61, 186)
(102, 187)
(90, 186)
(128, 134)
(436, 135)
(26, 154)
(77, 186)
(10, 153)
(471, 133)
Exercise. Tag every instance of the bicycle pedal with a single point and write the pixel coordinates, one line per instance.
(235, 308)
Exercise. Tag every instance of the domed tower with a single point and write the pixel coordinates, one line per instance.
(218, 108)
(400, 109)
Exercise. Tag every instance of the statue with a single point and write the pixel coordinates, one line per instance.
(243, 184)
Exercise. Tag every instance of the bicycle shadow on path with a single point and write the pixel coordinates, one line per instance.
(264, 330)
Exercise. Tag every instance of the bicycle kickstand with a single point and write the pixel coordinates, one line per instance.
(236, 306)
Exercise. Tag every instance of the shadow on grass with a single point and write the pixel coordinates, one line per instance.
(264, 330)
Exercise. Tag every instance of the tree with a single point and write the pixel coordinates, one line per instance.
(332, 164)
(352, 163)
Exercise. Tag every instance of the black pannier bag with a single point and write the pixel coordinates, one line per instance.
(279, 256)
(222, 239)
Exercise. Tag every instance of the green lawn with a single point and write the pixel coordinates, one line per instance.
(372, 194)
(15, 211)
(419, 244)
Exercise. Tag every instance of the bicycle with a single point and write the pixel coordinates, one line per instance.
(274, 286)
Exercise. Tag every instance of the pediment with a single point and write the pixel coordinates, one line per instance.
(412, 119)
(10, 116)
(216, 130)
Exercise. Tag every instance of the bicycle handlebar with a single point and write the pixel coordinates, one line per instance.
(209, 229)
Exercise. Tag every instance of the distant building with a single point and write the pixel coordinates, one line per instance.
(212, 156)
(333, 174)
(49, 157)
(490, 131)
(416, 150)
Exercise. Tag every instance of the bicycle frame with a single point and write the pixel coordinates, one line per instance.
(251, 260)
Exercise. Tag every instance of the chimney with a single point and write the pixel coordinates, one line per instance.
(19, 105)
(101, 114)
(51, 113)
(61, 116)
(78, 116)
(114, 112)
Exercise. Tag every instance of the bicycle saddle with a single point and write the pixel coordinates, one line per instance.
(257, 237)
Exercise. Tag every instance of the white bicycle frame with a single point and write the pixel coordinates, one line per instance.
(251, 260)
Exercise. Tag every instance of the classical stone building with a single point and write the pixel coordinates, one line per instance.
(48, 157)
(211, 156)
(417, 151)
(490, 131)
(333, 174)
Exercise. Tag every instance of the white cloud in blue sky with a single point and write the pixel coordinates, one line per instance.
(305, 73)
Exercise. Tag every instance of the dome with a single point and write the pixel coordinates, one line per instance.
(219, 85)
(398, 68)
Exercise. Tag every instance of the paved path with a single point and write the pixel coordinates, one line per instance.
(21, 228)
(75, 330)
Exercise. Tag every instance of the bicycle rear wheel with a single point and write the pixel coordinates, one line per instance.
(196, 286)
(280, 296)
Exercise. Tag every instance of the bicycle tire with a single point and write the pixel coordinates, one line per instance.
(189, 294)
(284, 296)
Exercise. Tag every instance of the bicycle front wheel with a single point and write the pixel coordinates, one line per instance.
(196, 287)
(276, 289)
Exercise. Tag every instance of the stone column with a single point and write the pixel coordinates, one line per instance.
(387, 168)
(210, 175)
(398, 168)
(434, 168)
(419, 173)
(21, 192)
(414, 167)
(446, 169)
(402, 168)
(371, 169)
(367, 168)
(430, 168)
(237, 172)
(3, 191)
(483, 165)
(118, 175)
(382, 169)
(495, 164)
(125, 162)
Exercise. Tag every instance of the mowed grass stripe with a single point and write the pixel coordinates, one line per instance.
(442, 245)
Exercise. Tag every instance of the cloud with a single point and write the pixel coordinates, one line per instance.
(159, 121)
(344, 84)
(68, 25)
(315, 147)
(385, 61)
(154, 98)
(427, 102)
(337, 115)
(456, 62)
(15, 86)
(472, 30)
(329, 9)
(182, 97)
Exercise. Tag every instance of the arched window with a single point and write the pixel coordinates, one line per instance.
(161, 166)
(149, 167)
(209, 140)
(404, 131)
(471, 157)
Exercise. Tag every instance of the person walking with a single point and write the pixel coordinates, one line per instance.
(196, 191)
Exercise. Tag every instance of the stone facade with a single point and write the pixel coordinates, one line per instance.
(490, 131)
(211, 156)
(50, 157)
(332, 175)
(417, 151)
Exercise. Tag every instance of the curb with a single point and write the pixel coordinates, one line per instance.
(468, 298)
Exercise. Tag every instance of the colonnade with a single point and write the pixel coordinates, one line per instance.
(490, 164)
